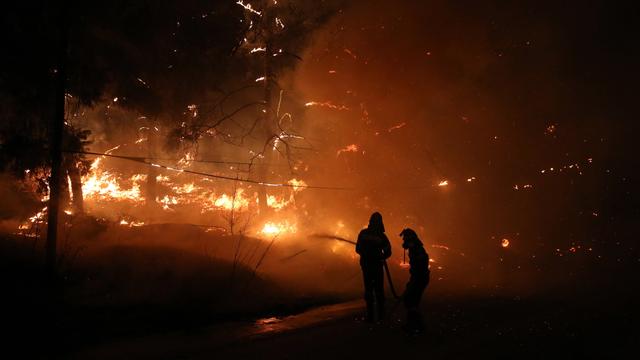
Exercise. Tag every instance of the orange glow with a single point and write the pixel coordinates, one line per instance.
(298, 185)
(278, 228)
(504, 243)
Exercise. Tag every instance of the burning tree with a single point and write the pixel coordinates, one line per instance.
(85, 52)
(199, 51)
(273, 32)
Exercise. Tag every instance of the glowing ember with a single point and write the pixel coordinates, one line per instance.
(350, 53)
(525, 186)
(396, 127)
(504, 243)
(550, 129)
(279, 23)
(327, 104)
(443, 183)
(248, 7)
(348, 148)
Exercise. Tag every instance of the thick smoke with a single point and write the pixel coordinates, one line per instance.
(464, 124)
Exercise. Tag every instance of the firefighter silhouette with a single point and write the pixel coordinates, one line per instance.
(374, 248)
(419, 270)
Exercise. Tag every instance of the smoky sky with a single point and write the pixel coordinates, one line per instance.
(494, 92)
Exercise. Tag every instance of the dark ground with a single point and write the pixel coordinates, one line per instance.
(458, 328)
(594, 315)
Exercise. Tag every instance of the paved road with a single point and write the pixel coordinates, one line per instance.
(464, 328)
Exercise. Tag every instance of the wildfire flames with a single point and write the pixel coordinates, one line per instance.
(277, 228)
(102, 186)
(175, 190)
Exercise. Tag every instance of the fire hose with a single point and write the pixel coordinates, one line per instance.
(384, 262)
(393, 290)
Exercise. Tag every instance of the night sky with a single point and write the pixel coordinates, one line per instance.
(498, 94)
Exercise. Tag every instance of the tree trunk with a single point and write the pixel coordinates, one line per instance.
(55, 142)
(76, 189)
(65, 190)
(151, 191)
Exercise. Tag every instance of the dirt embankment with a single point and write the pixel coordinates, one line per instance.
(118, 281)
